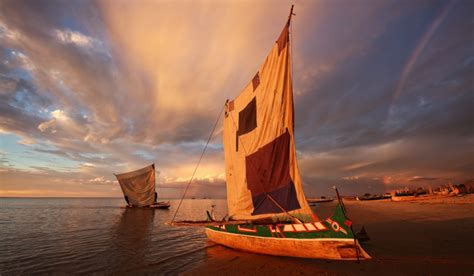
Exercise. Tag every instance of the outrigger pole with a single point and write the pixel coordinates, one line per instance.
(340, 201)
(352, 230)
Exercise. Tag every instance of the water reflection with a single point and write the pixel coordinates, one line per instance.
(131, 239)
(97, 236)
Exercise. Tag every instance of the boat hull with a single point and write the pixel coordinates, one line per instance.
(317, 248)
(373, 198)
(403, 198)
(319, 200)
(158, 205)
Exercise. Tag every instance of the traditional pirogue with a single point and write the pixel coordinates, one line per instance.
(268, 211)
(138, 188)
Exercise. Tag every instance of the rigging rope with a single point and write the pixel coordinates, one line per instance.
(199, 161)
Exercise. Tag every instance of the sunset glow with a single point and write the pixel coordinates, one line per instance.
(383, 92)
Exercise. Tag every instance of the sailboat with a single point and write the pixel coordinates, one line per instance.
(138, 188)
(268, 211)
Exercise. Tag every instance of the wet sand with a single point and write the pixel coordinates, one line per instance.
(429, 237)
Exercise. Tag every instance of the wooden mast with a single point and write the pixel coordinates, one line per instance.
(291, 13)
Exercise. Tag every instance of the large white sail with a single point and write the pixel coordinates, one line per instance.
(139, 186)
(262, 174)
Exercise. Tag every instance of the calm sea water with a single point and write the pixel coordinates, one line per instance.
(100, 236)
(87, 235)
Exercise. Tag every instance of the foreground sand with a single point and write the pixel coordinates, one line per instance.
(432, 237)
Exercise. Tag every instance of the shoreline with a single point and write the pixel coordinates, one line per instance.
(407, 237)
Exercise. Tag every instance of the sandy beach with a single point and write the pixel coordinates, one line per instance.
(429, 237)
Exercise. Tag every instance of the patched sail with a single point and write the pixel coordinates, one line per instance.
(262, 174)
(138, 186)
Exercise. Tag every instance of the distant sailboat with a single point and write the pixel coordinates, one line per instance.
(138, 188)
(268, 211)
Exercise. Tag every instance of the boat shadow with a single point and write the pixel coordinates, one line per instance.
(131, 239)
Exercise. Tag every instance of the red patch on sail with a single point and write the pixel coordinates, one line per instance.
(247, 120)
(268, 177)
(283, 39)
(230, 107)
(256, 81)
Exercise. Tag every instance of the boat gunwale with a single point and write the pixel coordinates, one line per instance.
(285, 238)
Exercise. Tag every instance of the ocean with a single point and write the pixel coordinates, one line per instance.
(89, 235)
(101, 236)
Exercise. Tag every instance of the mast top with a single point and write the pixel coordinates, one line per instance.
(291, 13)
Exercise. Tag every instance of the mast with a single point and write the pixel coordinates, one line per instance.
(289, 16)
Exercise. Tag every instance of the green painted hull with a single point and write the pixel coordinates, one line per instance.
(336, 227)
(328, 239)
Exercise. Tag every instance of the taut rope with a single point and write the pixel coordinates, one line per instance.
(199, 161)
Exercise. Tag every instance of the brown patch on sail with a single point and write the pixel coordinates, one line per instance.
(229, 108)
(247, 120)
(283, 39)
(268, 175)
(256, 81)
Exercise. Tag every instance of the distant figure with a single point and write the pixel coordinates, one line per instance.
(156, 196)
(126, 199)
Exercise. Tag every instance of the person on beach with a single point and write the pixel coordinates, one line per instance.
(128, 203)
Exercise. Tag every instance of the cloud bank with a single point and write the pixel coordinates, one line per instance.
(383, 91)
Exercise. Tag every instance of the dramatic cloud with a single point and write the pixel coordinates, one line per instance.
(383, 91)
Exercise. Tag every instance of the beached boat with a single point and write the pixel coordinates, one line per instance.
(420, 197)
(319, 200)
(264, 188)
(138, 188)
(404, 195)
(373, 197)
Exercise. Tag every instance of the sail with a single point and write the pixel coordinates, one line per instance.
(262, 174)
(138, 186)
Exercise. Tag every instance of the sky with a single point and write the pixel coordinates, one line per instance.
(383, 92)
